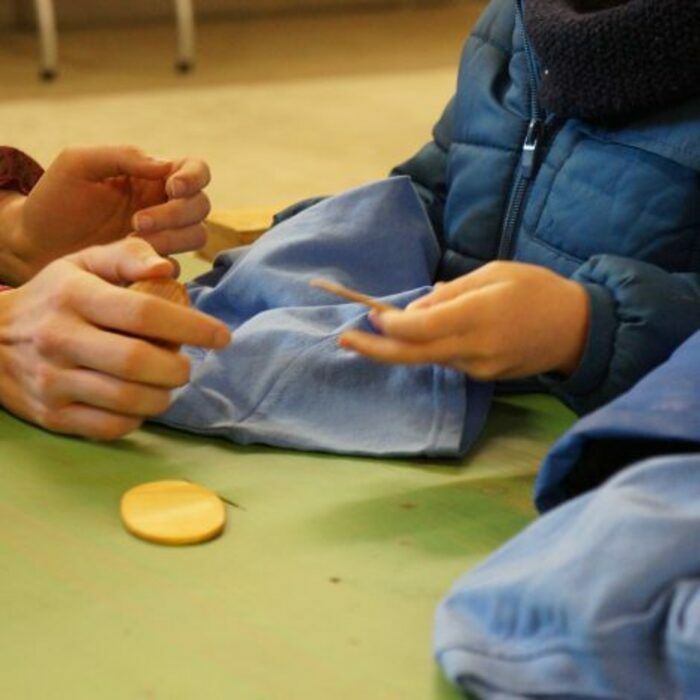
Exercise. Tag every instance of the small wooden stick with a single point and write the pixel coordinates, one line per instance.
(351, 295)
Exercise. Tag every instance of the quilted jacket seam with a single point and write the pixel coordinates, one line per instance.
(484, 39)
(610, 138)
(551, 247)
(481, 144)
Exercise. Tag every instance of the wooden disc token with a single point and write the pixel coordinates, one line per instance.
(173, 512)
(163, 287)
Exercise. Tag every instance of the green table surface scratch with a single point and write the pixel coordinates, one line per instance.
(323, 585)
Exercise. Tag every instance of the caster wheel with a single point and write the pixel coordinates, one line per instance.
(47, 75)
(184, 66)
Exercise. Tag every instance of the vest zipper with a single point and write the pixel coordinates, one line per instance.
(529, 153)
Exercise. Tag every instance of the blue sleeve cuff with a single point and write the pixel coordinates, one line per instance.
(597, 353)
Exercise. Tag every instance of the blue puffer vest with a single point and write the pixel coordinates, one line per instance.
(632, 192)
(616, 209)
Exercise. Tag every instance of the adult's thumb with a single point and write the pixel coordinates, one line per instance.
(125, 261)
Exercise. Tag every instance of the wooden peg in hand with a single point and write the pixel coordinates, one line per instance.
(165, 288)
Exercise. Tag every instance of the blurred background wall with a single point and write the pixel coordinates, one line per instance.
(282, 104)
(77, 13)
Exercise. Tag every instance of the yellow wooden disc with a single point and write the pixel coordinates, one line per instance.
(173, 512)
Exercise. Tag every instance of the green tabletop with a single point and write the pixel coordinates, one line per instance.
(323, 585)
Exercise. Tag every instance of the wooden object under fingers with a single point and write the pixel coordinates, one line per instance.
(230, 229)
(351, 295)
(165, 288)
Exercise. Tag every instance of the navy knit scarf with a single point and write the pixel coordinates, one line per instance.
(606, 60)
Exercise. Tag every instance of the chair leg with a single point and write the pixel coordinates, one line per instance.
(48, 38)
(185, 35)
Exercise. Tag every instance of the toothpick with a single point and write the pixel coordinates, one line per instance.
(351, 295)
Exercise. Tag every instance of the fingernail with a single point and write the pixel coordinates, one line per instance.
(144, 222)
(375, 318)
(175, 265)
(343, 342)
(153, 260)
(177, 188)
(222, 337)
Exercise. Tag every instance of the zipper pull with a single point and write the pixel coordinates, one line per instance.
(531, 148)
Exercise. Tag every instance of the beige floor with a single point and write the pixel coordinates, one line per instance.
(282, 107)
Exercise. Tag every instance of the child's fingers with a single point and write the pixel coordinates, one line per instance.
(444, 291)
(189, 177)
(383, 349)
(176, 213)
(458, 315)
(456, 352)
(423, 302)
(426, 300)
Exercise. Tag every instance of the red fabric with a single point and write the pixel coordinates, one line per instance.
(18, 171)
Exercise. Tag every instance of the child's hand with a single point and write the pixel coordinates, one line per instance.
(74, 350)
(503, 321)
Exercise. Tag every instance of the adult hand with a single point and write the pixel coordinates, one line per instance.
(94, 196)
(504, 321)
(75, 355)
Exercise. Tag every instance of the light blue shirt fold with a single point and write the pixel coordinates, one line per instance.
(284, 381)
(600, 597)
